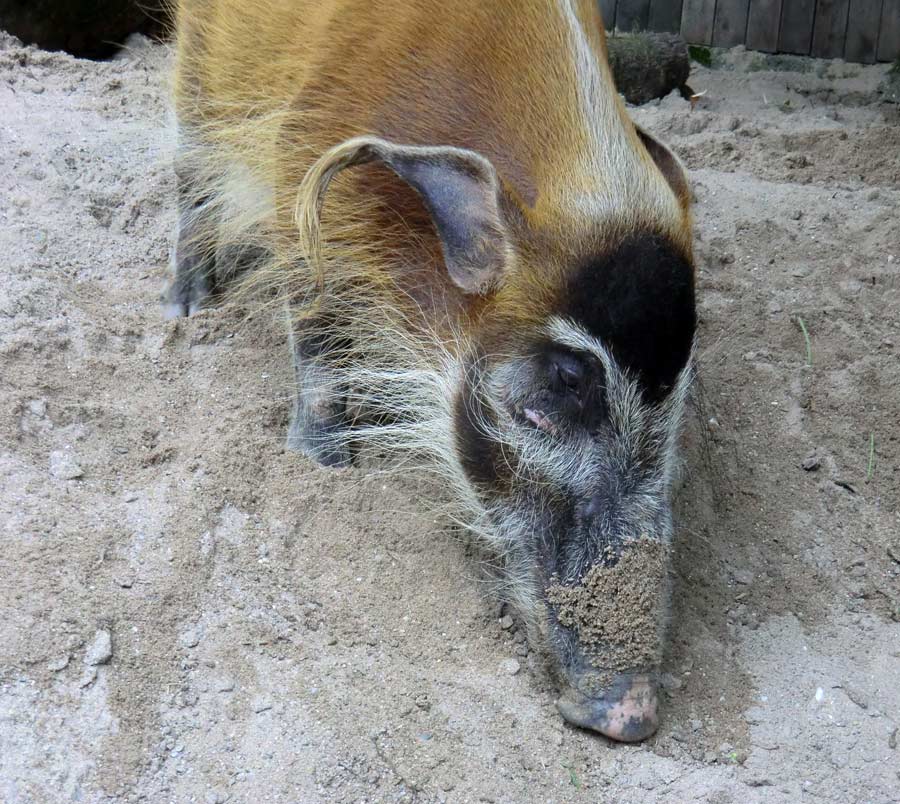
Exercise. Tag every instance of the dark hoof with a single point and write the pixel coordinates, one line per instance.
(183, 298)
(321, 438)
(325, 450)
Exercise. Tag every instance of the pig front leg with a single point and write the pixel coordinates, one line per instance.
(319, 421)
(195, 252)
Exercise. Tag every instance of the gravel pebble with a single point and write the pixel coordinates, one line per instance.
(190, 638)
(88, 677)
(810, 463)
(100, 649)
(670, 682)
(743, 577)
(509, 667)
(60, 663)
(64, 467)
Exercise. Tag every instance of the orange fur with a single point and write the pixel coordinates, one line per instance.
(276, 83)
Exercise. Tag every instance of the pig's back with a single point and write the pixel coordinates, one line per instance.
(507, 79)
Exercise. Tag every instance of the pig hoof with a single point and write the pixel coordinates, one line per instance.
(327, 452)
(184, 297)
(322, 441)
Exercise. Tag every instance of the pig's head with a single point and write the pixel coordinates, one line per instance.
(569, 432)
(571, 381)
(566, 424)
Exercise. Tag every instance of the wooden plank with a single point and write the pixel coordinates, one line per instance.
(632, 15)
(830, 29)
(889, 38)
(797, 18)
(608, 12)
(763, 25)
(665, 15)
(697, 20)
(862, 30)
(730, 27)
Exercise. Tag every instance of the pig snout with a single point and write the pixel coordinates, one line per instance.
(627, 710)
(609, 634)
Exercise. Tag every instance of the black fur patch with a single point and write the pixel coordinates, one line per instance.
(479, 455)
(639, 301)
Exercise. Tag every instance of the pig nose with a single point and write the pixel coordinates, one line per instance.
(627, 711)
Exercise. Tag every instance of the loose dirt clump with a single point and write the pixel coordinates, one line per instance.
(617, 610)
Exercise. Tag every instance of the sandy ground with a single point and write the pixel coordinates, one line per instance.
(188, 613)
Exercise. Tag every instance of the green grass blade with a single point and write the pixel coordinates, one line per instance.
(870, 469)
(805, 331)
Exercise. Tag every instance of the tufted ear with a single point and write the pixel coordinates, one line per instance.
(460, 189)
(670, 166)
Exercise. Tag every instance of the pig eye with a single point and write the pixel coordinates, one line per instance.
(567, 372)
(571, 373)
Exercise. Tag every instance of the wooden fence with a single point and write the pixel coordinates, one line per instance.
(855, 30)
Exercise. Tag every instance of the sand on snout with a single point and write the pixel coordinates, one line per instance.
(617, 610)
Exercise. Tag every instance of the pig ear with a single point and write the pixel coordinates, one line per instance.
(460, 189)
(670, 166)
